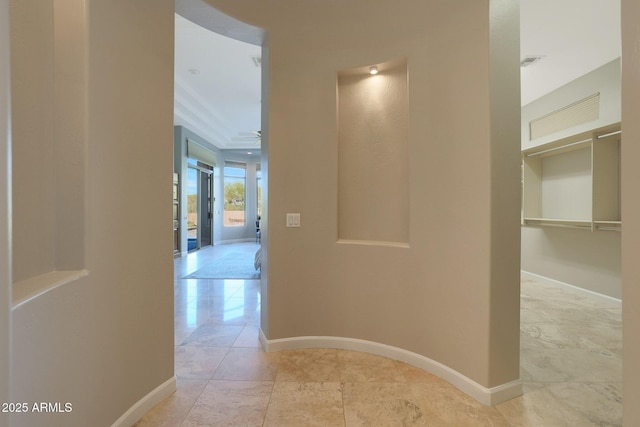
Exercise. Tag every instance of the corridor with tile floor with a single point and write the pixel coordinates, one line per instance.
(571, 367)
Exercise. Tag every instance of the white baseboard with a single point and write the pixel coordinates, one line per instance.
(487, 396)
(543, 279)
(232, 241)
(145, 404)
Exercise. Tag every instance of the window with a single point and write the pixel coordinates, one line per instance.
(235, 175)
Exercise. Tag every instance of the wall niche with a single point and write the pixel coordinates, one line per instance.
(373, 154)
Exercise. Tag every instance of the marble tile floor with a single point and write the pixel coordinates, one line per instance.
(571, 345)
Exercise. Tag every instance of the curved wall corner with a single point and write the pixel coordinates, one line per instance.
(435, 285)
(145, 404)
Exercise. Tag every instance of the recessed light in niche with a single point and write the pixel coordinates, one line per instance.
(373, 70)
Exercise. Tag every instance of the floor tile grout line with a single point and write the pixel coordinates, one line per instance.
(344, 407)
(266, 409)
(195, 401)
(205, 387)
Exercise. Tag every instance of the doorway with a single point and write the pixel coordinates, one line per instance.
(571, 274)
(199, 205)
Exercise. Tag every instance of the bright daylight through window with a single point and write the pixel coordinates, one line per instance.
(234, 194)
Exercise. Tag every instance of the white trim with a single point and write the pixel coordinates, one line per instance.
(487, 396)
(232, 241)
(533, 276)
(145, 404)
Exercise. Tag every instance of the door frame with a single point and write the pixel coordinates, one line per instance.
(201, 169)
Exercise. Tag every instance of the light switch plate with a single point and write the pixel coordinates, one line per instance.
(293, 220)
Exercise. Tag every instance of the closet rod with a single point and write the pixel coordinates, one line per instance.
(617, 132)
(559, 148)
(578, 227)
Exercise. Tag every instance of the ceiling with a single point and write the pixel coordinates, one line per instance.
(217, 86)
(573, 37)
(217, 80)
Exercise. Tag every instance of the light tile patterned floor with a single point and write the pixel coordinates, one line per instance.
(570, 365)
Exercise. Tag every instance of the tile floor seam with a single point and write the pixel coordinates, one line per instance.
(344, 411)
(186, 414)
(220, 363)
(266, 410)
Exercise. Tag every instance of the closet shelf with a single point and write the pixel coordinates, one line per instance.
(571, 223)
(574, 182)
(608, 225)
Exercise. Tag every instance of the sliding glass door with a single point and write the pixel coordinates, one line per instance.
(199, 206)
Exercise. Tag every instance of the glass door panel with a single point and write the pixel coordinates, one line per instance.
(192, 209)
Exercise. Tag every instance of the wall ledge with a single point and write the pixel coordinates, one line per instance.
(145, 404)
(486, 396)
(373, 243)
(29, 289)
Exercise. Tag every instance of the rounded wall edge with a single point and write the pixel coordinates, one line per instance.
(5, 202)
(207, 16)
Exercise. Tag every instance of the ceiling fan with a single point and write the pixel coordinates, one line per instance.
(254, 135)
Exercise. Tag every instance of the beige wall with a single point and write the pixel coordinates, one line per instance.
(48, 158)
(590, 260)
(630, 211)
(32, 66)
(103, 341)
(433, 298)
